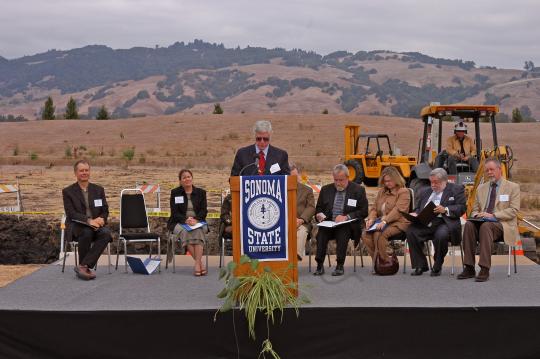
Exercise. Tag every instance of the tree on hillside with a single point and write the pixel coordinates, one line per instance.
(71, 110)
(529, 66)
(103, 114)
(48, 110)
(516, 116)
(217, 109)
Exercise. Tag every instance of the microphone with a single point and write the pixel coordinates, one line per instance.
(255, 163)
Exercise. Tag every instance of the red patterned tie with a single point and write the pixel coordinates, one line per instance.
(262, 163)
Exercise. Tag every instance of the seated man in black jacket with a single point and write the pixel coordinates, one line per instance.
(339, 202)
(86, 219)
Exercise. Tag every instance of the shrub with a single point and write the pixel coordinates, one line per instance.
(129, 153)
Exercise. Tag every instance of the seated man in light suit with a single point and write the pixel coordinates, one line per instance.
(339, 201)
(449, 200)
(498, 201)
(261, 158)
(305, 209)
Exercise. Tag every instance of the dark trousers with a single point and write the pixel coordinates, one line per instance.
(485, 234)
(341, 234)
(91, 245)
(418, 234)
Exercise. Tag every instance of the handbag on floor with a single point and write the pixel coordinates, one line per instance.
(382, 267)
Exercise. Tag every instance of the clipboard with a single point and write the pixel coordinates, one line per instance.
(424, 217)
(85, 224)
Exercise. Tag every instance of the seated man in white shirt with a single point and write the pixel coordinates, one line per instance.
(449, 200)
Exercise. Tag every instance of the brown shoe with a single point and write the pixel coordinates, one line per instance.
(90, 273)
(483, 275)
(468, 272)
(82, 272)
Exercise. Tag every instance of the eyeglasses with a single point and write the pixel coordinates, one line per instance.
(265, 139)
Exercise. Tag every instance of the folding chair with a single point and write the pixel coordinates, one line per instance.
(172, 246)
(224, 239)
(313, 238)
(511, 249)
(133, 216)
(402, 237)
(73, 245)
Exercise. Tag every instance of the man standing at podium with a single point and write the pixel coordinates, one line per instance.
(261, 158)
(338, 202)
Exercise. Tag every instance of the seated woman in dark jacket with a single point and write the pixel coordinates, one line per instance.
(188, 207)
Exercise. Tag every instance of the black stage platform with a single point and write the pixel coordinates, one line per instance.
(171, 315)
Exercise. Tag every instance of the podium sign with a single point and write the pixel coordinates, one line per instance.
(264, 222)
(263, 217)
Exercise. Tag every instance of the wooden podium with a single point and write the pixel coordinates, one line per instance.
(283, 266)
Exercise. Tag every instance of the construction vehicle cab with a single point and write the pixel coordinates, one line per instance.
(430, 146)
(366, 155)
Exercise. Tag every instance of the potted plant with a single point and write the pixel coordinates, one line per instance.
(257, 289)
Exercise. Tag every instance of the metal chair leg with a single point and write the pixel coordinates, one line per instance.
(461, 251)
(509, 257)
(453, 257)
(65, 255)
(361, 254)
(109, 255)
(173, 248)
(159, 253)
(405, 248)
(75, 245)
(354, 258)
(515, 264)
(117, 254)
(222, 252)
(309, 256)
(428, 254)
(125, 256)
(206, 250)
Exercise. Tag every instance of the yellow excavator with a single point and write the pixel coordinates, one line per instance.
(430, 149)
(365, 156)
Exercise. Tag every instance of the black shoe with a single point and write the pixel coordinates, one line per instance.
(435, 272)
(320, 270)
(299, 257)
(338, 271)
(468, 272)
(419, 271)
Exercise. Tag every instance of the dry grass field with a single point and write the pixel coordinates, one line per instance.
(38, 154)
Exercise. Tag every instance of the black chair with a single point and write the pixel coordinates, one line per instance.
(313, 238)
(224, 238)
(73, 244)
(133, 216)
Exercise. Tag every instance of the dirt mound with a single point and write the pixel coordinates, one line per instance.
(28, 240)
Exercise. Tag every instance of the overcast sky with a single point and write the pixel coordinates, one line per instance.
(502, 33)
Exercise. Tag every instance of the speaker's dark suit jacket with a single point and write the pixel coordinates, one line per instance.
(75, 207)
(359, 210)
(453, 197)
(178, 210)
(248, 155)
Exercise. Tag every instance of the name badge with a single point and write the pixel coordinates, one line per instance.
(275, 168)
(351, 202)
(179, 200)
(504, 198)
(98, 203)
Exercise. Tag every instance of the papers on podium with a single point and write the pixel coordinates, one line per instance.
(424, 217)
(332, 224)
(148, 266)
(189, 228)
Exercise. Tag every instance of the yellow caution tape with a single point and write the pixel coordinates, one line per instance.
(150, 214)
